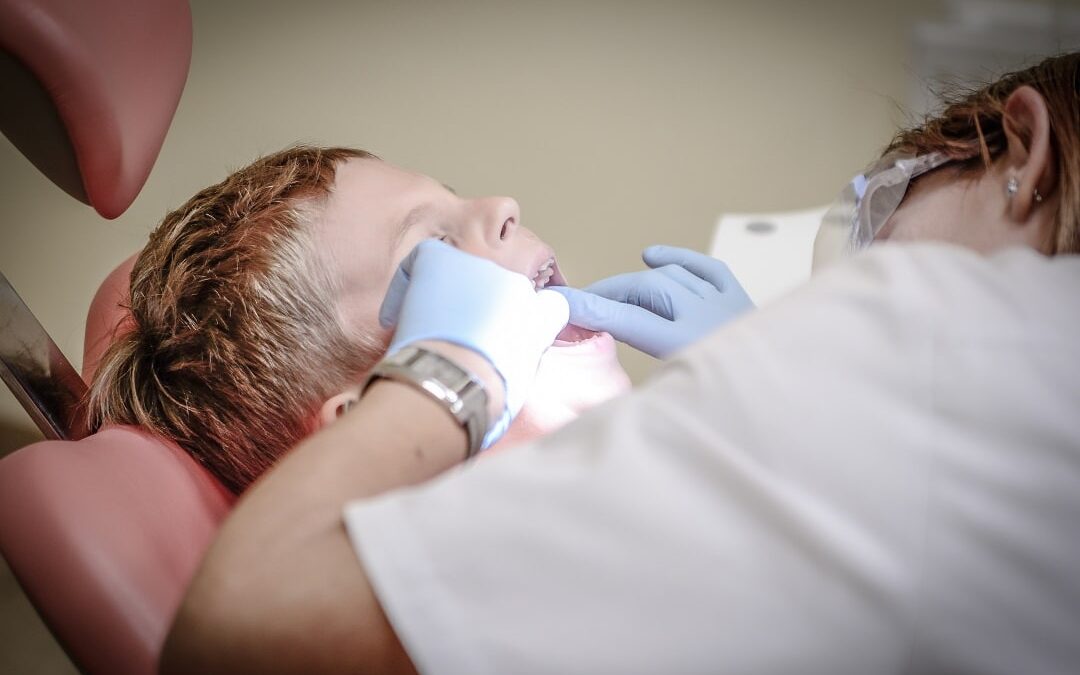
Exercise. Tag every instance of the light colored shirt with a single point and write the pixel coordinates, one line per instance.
(879, 473)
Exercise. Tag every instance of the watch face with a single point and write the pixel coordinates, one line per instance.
(454, 387)
(445, 372)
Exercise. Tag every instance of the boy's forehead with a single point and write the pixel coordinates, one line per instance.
(372, 195)
(354, 235)
(367, 204)
(374, 181)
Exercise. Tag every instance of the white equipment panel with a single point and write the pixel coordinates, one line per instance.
(770, 253)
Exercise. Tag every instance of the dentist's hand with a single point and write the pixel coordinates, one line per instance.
(442, 294)
(683, 297)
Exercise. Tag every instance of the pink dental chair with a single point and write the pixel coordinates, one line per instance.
(103, 531)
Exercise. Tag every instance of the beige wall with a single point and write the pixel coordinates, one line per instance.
(615, 124)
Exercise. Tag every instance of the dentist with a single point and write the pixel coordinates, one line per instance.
(877, 474)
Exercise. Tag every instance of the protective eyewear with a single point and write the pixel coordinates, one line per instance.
(867, 202)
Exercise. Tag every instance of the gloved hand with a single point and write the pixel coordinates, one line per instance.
(683, 297)
(441, 293)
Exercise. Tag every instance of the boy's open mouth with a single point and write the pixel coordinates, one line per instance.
(573, 335)
(548, 274)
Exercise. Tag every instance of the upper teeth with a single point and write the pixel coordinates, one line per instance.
(544, 274)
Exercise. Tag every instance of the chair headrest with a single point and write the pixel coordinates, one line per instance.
(108, 317)
(90, 88)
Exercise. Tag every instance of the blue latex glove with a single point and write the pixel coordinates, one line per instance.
(441, 293)
(682, 298)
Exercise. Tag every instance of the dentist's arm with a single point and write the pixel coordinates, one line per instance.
(684, 296)
(281, 589)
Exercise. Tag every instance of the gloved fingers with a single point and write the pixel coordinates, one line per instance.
(631, 324)
(716, 272)
(647, 289)
(687, 279)
(617, 287)
(585, 308)
(553, 313)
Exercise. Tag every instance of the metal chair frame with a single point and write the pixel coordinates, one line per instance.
(37, 372)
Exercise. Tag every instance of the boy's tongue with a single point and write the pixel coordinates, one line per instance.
(574, 333)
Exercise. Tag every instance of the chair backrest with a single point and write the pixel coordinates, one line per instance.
(105, 533)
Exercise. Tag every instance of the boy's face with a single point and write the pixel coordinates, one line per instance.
(377, 213)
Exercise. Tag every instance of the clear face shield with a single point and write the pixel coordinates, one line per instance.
(866, 204)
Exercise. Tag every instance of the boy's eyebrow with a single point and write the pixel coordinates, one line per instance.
(411, 218)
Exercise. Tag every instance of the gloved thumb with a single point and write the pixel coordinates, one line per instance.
(395, 294)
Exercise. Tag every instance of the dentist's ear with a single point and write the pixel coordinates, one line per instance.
(1029, 160)
(336, 406)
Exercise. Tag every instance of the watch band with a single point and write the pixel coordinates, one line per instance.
(458, 390)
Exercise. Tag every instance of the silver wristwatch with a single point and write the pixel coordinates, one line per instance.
(451, 385)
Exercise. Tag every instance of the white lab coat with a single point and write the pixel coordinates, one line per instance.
(878, 474)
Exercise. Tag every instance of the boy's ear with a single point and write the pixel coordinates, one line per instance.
(336, 406)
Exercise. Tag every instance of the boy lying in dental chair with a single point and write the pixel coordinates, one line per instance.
(254, 307)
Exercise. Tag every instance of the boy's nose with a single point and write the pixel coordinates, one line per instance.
(499, 218)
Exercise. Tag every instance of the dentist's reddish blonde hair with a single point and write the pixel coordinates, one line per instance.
(970, 129)
(235, 339)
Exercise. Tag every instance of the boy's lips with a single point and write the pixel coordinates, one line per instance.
(557, 278)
